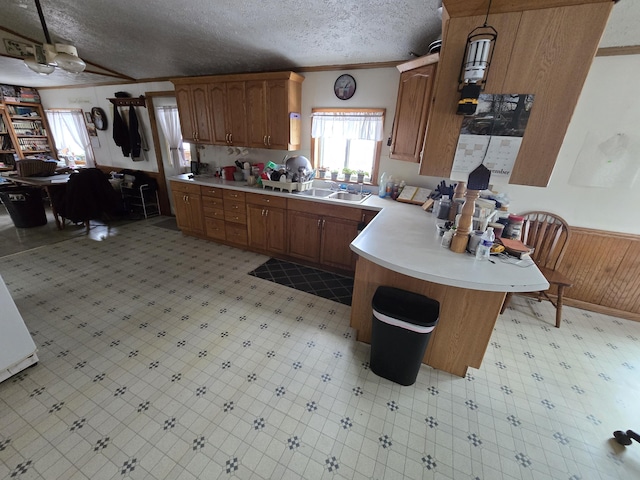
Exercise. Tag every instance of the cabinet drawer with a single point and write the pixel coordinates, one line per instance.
(236, 233)
(185, 187)
(215, 192)
(212, 212)
(325, 209)
(233, 206)
(236, 217)
(212, 202)
(266, 200)
(215, 228)
(233, 195)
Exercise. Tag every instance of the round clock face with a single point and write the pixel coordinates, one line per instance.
(99, 118)
(345, 87)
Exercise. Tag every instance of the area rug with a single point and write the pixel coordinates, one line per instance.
(331, 286)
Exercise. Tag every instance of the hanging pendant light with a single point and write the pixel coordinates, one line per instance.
(475, 65)
(48, 56)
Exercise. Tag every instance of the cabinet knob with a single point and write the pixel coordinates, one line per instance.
(264, 140)
(318, 223)
(269, 140)
(231, 138)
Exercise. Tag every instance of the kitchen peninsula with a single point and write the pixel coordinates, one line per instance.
(400, 247)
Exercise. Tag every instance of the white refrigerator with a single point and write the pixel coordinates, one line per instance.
(17, 349)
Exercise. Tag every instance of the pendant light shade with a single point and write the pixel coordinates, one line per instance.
(48, 56)
(67, 58)
(41, 68)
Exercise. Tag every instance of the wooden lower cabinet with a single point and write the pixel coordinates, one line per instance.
(322, 239)
(318, 233)
(187, 202)
(337, 235)
(266, 228)
(235, 217)
(304, 235)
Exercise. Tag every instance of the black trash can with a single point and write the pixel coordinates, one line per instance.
(25, 206)
(402, 325)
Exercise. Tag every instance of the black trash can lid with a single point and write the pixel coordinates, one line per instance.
(406, 306)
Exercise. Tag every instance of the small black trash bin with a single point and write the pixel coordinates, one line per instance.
(24, 206)
(402, 325)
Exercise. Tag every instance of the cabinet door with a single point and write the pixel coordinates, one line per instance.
(412, 109)
(182, 214)
(277, 115)
(201, 113)
(276, 230)
(256, 227)
(217, 97)
(236, 117)
(256, 114)
(304, 235)
(185, 111)
(188, 208)
(337, 234)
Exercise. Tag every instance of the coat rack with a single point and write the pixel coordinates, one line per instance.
(129, 102)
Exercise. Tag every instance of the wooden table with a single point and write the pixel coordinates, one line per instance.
(47, 184)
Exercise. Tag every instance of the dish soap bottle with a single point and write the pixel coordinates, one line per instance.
(483, 250)
(382, 185)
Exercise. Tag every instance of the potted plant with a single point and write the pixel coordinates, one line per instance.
(361, 174)
(322, 172)
(347, 174)
(334, 175)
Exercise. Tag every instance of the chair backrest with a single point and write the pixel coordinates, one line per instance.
(548, 234)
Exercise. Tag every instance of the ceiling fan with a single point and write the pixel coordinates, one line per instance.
(48, 56)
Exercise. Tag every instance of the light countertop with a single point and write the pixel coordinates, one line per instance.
(404, 238)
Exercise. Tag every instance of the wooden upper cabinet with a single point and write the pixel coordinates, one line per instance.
(228, 117)
(193, 108)
(543, 48)
(248, 110)
(412, 110)
(256, 114)
(270, 104)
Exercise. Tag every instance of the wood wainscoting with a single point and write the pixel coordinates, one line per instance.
(605, 269)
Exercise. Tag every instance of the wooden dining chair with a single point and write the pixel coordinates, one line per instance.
(549, 235)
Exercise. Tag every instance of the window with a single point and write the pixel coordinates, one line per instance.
(169, 122)
(347, 141)
(71, 137)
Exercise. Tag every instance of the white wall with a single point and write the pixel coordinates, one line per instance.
(107, 153)
(607, 105)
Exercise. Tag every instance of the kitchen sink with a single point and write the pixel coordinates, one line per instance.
(351, 197)
(317, 192)
(333, 195)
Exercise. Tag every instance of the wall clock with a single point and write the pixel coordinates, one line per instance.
(99, 118)
(345, 87)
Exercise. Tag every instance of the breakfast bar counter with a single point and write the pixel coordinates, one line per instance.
(401, 248)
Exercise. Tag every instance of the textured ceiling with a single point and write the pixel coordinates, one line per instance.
(148, 39)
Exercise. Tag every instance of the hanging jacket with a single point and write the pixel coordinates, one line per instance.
(134, 135)
(120, 133)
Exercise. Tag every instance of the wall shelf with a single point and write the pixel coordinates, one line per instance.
(129, 101)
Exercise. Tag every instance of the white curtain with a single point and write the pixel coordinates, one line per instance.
(70, 125)
(349, 125)
(170, 124)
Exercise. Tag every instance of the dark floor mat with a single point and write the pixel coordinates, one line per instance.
(169, 224)
(306, 279)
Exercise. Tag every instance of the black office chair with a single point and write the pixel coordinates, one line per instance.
(88, 196)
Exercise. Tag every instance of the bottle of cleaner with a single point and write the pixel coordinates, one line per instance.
(382, 185)
(483, 250)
